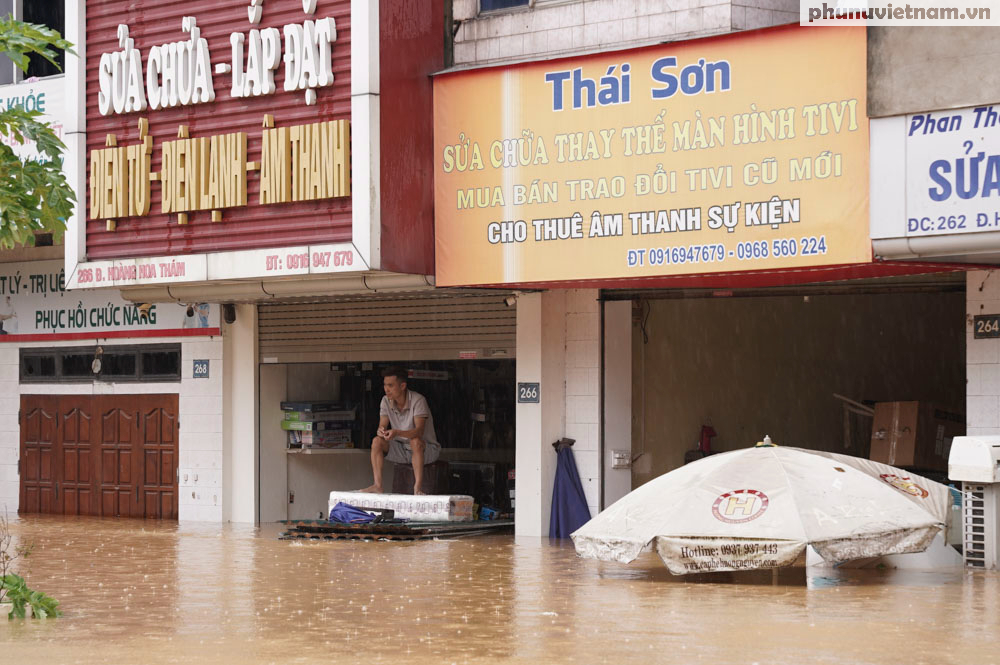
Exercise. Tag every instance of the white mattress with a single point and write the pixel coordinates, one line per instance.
(424, 508)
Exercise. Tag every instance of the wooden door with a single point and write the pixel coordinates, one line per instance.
(159, 455)
(119, 477)
(39, 453)
(78, 443)
(107, 455)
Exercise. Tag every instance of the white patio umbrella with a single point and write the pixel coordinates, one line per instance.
(759, 508)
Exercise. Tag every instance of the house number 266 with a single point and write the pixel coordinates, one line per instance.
(528, 392)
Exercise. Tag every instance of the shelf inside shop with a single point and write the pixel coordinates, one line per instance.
(324, 451)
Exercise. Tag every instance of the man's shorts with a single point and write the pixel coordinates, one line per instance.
(401, 453)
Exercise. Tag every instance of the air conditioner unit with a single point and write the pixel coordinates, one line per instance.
(980, 535)
(975, 460)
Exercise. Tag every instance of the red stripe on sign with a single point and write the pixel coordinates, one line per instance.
(112, 334)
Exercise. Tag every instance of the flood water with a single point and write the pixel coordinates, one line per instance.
(144, 592)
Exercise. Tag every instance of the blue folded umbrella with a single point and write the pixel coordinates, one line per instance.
(569, 504)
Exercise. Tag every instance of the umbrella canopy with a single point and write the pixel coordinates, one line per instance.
(760, 507)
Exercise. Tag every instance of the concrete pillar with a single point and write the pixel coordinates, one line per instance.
(240, 421)
(541, 358)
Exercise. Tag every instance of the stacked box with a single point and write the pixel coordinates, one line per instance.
(914, 434)
(423, 508)
(312, 425)
(318, 424)
(311, 406)
(340, 438)
(311, 416)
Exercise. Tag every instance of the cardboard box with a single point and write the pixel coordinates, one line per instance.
(914, 434)
(326, 436)
(314, 425)
(343, 414)
(311, 406)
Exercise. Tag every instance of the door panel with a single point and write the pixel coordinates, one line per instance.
(39, 447)
(78, 484)
(119, 433)
(159, 453)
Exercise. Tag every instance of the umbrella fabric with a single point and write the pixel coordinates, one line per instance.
(569, 505)
(760, 507)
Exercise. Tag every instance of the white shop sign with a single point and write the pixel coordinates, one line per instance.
(34, 305)
(47, 96)
(180, 73)
(245, 264)
(936, 173)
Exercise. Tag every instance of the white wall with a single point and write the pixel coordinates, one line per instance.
(273, 458)
(583, 412)
(557, 28)
(558, 346)
(201, 414)
(200, 407)
(10, 441)
(540, 354)
(982, 356)
(617, 396)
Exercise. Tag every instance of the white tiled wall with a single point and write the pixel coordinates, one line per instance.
(10, 440)
(982, 356)
(201, 449)
(583, 387)
(201, 413)
(554, 27)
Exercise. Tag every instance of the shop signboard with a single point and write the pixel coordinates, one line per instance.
(35, 306)
(738, 153)
(936, 173)
(218, 136)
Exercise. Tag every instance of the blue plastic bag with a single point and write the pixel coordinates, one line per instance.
(348, 514)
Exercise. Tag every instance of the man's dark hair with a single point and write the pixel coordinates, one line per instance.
(400, 373)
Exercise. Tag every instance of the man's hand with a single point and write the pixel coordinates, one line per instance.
(387, 434)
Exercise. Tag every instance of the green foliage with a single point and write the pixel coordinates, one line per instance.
(12, 586)
(21, 597)
(34, 194)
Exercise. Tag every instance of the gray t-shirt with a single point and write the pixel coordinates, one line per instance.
(416, 406)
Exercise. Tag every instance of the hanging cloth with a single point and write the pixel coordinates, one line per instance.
(348, 514)
(569, 505)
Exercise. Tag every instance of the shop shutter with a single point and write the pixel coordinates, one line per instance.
(372, 328)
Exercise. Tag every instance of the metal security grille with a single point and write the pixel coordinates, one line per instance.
(980, 522)
(425, 327)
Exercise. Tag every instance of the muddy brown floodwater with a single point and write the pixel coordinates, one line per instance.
(145, 592)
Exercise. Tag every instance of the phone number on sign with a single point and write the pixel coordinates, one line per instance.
(751, 250)
(299, 260)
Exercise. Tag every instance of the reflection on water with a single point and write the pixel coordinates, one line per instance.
(143, 592)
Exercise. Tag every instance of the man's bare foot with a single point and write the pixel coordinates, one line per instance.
(418, 492)
(374, 489)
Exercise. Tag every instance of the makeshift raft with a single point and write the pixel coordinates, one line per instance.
(324, 530)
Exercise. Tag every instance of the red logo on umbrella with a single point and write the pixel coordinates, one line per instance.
(904, 484)
(740, 506)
